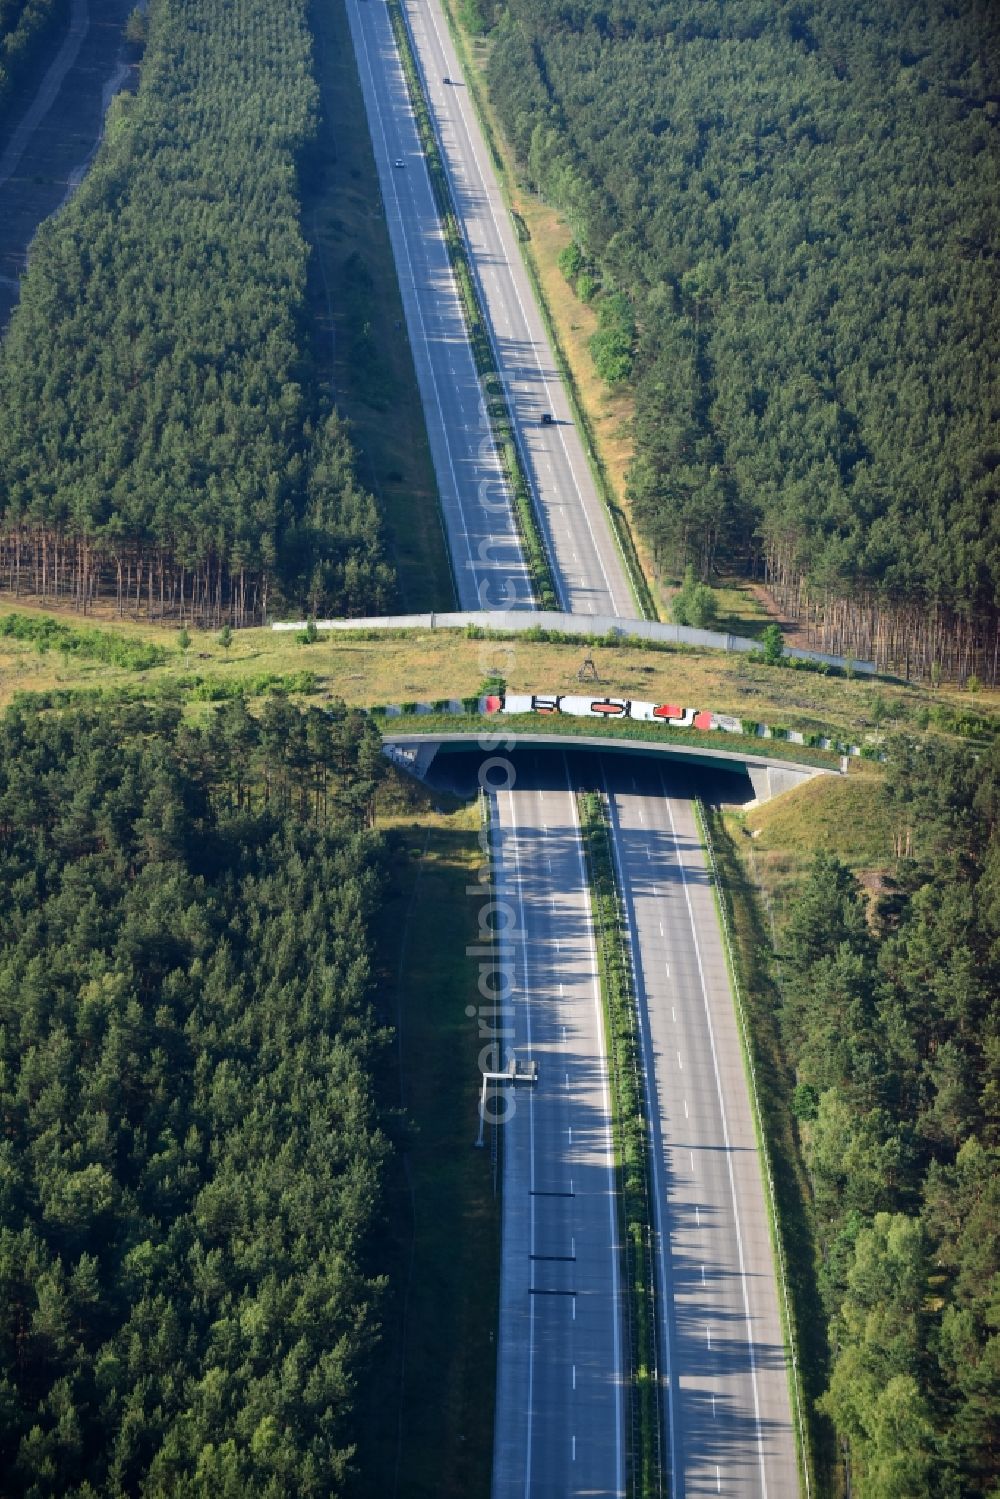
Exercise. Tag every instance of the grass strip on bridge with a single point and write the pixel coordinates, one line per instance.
(521, 725)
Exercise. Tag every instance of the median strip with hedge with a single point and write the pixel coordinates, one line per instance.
(632, 1150)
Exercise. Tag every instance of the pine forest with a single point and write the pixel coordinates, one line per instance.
(27, 28)
(165, 445)
(191, 1155)
(891, 1021)
(797, 203)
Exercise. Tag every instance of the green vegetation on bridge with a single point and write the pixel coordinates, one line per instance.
(713, 746)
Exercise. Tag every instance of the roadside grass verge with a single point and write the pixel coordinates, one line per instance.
(644, 1438)
(360, 340)
(792, 1226)
(504, 433)
(843, 816)
(428, 1428)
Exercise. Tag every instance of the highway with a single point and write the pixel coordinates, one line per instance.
(559, 1369)
(487, 564)
(586, 560)
(727, 1404)
(559, 1412)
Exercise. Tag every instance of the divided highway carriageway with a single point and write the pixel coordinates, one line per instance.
(561, 1409)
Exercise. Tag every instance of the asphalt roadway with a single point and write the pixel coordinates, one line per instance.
(483, 540)
(585, 558)
(589, 570)
(559, 1407)
(726, 1391)
(559, 1368)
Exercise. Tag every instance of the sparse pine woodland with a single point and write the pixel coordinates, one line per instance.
(164, 443)
(800, 202)
(191, 1158)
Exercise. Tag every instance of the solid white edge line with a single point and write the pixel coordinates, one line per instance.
(531, 1140)
(725, 1137)
(609, 1144)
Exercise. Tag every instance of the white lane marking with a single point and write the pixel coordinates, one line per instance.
(658, 1192)
(531, 1137)
(691, 1154)
(569, 1132)
(529, 338)
(708, 1336)
(686, 1114)
(574, 1376)
(616, 1372)
(680, 1061)
(729, 1153)
(703, 1274)
(697, 1215)
(661, 928)
(718, 1476)
(673, 1013)
(714, 1414)
(574, 1449)
(667, 967)
(567, 1079)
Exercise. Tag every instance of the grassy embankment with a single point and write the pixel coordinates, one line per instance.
(361, 341)
(428, 1428)
(605, 414)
